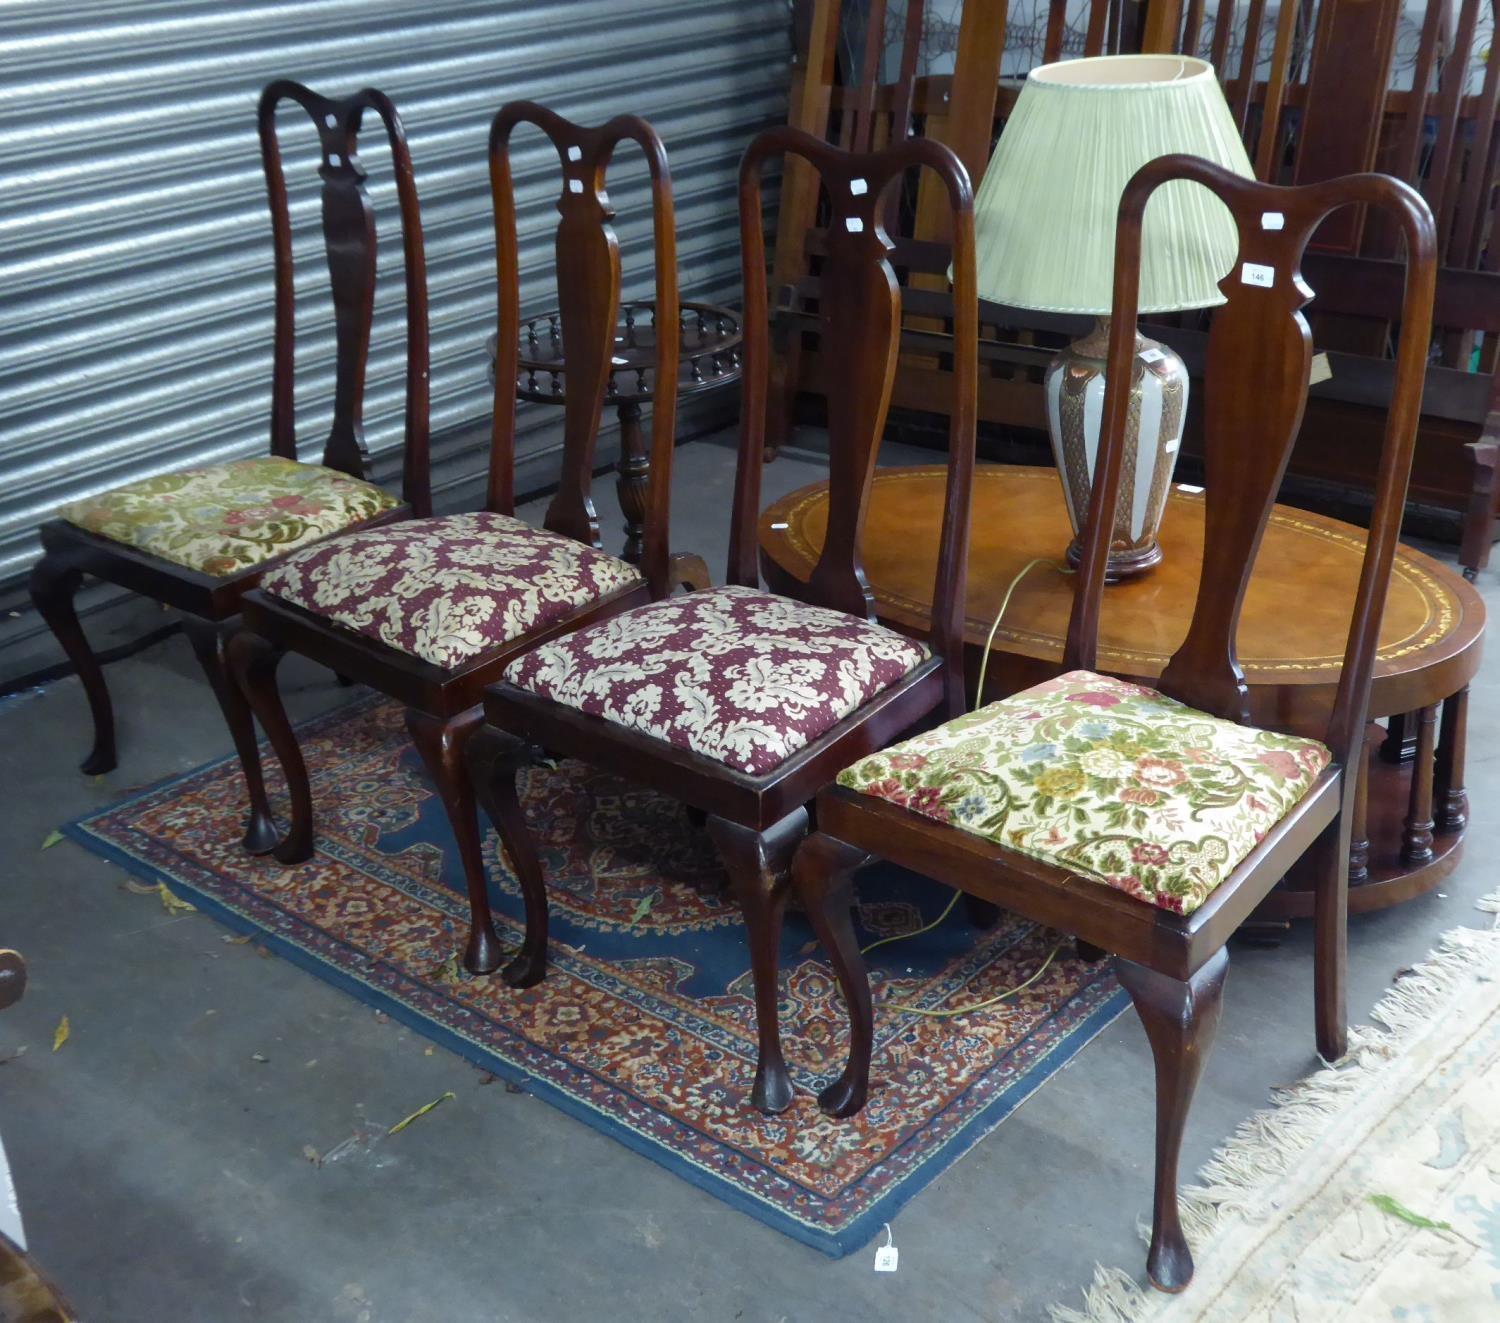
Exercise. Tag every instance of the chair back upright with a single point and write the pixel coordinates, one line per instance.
(350, 243)
(588, 288)
(1256, 380)
(860, 308)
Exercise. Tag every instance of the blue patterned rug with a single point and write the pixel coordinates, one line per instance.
(644, 1027)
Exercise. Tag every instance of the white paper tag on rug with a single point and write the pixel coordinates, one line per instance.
(886, 1258)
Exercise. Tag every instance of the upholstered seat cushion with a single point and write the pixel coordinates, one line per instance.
(1110, 780)
(449, 588)
(738, 675)
(225, 518)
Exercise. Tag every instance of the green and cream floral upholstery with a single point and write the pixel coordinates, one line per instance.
(225, 518)
(1110, 780)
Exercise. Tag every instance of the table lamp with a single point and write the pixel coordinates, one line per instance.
(1045, 224)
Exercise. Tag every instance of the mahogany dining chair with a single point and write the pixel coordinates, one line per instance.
(431, 611)
(198, 539)
(736, 701)
(1150, 822)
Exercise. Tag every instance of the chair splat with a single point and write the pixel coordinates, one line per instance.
(349, 235)
(860, 324)
(1256, 382)
(588, 286)
(1259, 361)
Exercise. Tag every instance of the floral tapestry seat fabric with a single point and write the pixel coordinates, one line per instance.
(1110, 780)
(449, 588)
(223, 519)
(738, 675)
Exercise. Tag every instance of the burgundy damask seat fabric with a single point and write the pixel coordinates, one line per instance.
(450, 588)
(736, 674)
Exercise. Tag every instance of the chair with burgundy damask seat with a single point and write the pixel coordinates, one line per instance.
(431, 611)
(1149, 823)
(738, 702)
(198, 539)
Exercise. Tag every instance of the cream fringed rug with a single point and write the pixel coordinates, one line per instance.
(1370, 1192)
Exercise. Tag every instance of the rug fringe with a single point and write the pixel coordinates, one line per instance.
(1114, 1297)
(1244, 1171)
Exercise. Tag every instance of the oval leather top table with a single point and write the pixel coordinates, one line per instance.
(1292, 632)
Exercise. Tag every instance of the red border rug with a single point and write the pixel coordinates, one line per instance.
(644, 1027)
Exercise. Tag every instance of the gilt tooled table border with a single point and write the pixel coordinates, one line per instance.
(1443, 608)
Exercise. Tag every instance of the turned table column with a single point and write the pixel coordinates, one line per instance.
(1453, 745)
(1416, 837)
(1359, 829)
(632, 480)
(709, 358)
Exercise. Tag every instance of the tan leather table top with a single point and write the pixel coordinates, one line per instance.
(1297, 608)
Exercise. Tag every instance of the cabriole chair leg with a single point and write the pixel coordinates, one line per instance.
(54, 582)
(759, 867)
(495, 761)
(252, 661)
(822, 873)
(1180, 1019)
(1329, 859)
(441, 746)
(210, 641)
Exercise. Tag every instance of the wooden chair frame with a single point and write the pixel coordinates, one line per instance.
(1259, 357)
(211, 604)
(442, 703)
(757, 822)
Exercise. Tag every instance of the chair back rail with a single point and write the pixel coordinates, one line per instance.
(1406, 163)
(860, 320)
(1256, 381)
(588, 287)
(349, 240)
(1439, 187)
(1466, 239)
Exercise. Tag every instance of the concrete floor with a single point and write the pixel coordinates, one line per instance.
(160, 1168)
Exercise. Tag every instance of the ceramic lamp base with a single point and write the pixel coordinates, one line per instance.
(1074, 386)
(1121, 564)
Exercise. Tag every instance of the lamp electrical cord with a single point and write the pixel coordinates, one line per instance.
(951, 1012)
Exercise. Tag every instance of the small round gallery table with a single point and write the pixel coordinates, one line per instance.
(708, 359)
(1411, 807)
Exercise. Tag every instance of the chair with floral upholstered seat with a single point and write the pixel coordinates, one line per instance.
(198, 539)
(432, 610)
(738, 702)
(1150, 822)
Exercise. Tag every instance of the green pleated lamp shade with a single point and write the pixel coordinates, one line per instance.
(1045, 214)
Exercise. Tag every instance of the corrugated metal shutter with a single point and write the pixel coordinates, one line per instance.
(135, 252)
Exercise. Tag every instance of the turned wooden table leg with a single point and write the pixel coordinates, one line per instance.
(1359, 828)
(1452, 750)
(631, 481)
(1416, 838)
(1400, 740)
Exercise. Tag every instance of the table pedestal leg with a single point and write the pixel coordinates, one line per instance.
(1359, 829)
(630, 482)
(1453, 739)
(1416, 838)
(1400, 740)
